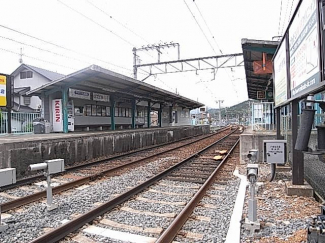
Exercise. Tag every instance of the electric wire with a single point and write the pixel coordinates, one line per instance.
(38, 59)
(208, 28)
(114, 19)
(285, 16)
(61, 47)
(41, 49)
(98, 24)
(209, 41)
(291, 10)
(280, 18)
(199, 27)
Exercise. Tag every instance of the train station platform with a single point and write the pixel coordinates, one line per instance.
(19, 151)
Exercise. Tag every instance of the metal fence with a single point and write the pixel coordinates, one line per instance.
(285, 126)
(21, 123)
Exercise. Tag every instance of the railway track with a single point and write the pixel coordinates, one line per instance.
(79, 177)
(77, 221)
(178, 172)
(153, 149)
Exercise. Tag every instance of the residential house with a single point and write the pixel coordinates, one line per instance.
(28, 77)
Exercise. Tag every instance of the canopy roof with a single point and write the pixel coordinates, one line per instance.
(253, 51)
(97, 79)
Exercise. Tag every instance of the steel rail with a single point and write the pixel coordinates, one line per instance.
(170, 233)
(75, 167)
(69, 185)
(62, 231)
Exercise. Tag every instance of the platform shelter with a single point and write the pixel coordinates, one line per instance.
(98, 98)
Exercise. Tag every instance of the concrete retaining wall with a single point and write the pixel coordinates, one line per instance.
(73, 148)
(253, 140)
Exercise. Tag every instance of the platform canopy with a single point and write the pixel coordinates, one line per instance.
(97, 79)
(258, 56)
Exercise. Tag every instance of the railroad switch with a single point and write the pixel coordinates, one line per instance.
(316, 229)
(50, 167)
(7, 177)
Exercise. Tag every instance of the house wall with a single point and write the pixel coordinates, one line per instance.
(36, 81)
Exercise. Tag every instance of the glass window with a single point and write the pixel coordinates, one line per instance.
(93, 110)
(88, 110)
(108, 111)
(116, 111)
(78, 110)
(103, 110)
(99, 111)
(122, 112)
(23, 75)
(29, 74)
(26, 74)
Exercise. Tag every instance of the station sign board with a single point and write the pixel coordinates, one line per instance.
(100, 97)
(261, 95)
(280, 78)
(304, 49)
(80, 94)
(3, 90)
(6, 90)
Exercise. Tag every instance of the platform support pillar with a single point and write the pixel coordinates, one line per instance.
(297, 156)
(112, 101)
(278, 123)
(148, 114)
(65, 109)
(133, 113)
(159, 115)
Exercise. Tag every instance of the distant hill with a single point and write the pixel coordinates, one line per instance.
(241, 110)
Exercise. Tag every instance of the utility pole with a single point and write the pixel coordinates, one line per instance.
(21, 56)
(219, 101)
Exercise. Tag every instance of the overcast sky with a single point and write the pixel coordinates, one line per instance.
(103, 32)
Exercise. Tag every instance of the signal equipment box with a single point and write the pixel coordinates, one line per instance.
(7, 176)
(275, 151)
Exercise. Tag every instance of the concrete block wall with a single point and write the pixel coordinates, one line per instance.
(74, 148)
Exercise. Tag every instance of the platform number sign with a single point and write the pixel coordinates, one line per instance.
(6, 91)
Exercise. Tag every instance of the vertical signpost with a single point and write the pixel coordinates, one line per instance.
(6, 96)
